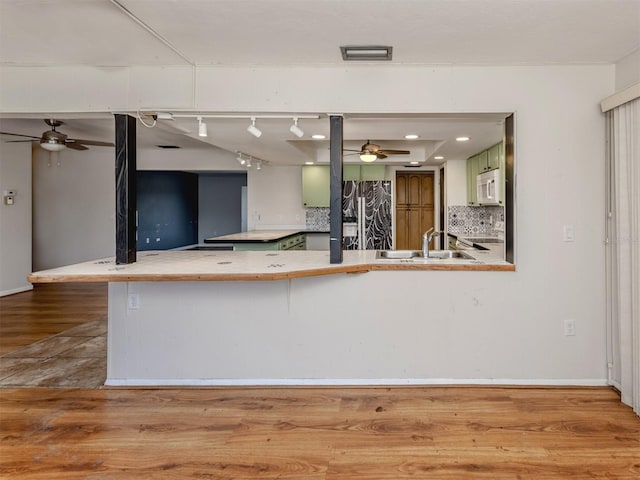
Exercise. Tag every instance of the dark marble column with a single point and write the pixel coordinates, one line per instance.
(335, 198)
(126, 190)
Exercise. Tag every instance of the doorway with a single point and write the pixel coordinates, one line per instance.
(415, 201)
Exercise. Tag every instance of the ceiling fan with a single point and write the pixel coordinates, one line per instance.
(370, 152)
(55, 141)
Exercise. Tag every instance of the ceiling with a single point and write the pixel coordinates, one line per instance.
(309, 32)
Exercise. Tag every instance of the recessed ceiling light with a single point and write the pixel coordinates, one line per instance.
(439, 157)
(411, 136)
(462, 139)
(414, 163)
(318, 136)
(308, 163)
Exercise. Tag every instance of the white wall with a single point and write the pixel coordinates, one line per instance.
(275, 198)
(15, 220)
(73, 206)
(559, 154)
(628, 71)
(456, 182)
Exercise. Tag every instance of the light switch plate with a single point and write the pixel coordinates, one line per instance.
(568, 233)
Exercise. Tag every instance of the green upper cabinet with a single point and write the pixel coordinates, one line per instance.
(472, 173)
(316, 180)
(490, 159)
(363, 172)
(495, 157)
(350, 172)
(315, 185)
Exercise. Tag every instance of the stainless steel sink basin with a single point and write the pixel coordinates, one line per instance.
(417, 254)
(398, 254)
(447, 254)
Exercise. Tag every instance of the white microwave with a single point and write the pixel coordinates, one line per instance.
(488, 188)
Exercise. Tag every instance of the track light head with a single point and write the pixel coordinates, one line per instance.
(297, 131)
(248, 162)
(202, 128)
(259, 165)
(253, 130)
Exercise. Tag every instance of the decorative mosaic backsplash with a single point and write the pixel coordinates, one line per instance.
(464, 220)
(318, 219)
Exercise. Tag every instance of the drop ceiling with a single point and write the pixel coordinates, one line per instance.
(310, 32)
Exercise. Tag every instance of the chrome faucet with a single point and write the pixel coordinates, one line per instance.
(426, 239)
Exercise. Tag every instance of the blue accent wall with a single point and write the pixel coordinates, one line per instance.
(167, 210)
(220, 203)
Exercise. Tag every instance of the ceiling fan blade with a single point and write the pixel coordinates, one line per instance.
(76, 146)
(349, 150)
(19, 135)
(394, 152)
(18, 141)
(380, 155)
(89, 142)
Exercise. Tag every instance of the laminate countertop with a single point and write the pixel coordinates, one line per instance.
(202, 265)
(254, 236)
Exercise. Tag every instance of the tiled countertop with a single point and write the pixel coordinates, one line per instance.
(190, 265)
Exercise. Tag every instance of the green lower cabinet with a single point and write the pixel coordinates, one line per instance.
(293, 242)
(258, 246)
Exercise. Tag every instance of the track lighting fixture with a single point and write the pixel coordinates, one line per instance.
(295, 129)
(248, 161)
(202, 128)
(253, 130)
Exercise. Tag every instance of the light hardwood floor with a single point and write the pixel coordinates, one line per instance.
(319, 433)
(308, 433)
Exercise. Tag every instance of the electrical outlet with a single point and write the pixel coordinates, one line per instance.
(569, 327)
(133, 301)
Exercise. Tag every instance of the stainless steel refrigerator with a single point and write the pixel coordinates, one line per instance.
(366, 215)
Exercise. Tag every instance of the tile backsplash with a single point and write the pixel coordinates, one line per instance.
(464, 220)
(317, 219)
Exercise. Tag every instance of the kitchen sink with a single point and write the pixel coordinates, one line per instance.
(417, 254)
(398, 254)
(446, 254)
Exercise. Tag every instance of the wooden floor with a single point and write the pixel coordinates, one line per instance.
(319, 433)
(298, 433)
(48, 309)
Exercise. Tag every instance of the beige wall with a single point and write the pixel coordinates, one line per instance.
(15, 220)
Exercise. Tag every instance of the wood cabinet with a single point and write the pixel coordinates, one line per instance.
(414, 208)
(315, 185)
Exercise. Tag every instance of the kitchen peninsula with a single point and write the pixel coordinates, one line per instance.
(287, 317)
(262, 240)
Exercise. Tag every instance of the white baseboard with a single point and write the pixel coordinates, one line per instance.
(355, 382)
(26, 288)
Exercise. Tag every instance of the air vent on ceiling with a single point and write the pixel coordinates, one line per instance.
(167, 146)
(366, 52)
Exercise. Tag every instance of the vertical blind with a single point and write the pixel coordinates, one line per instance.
(623, 250)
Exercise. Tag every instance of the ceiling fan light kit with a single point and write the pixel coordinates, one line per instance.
(368, 157)
(54, 141)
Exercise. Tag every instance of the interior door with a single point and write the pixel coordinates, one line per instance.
(414, 208)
